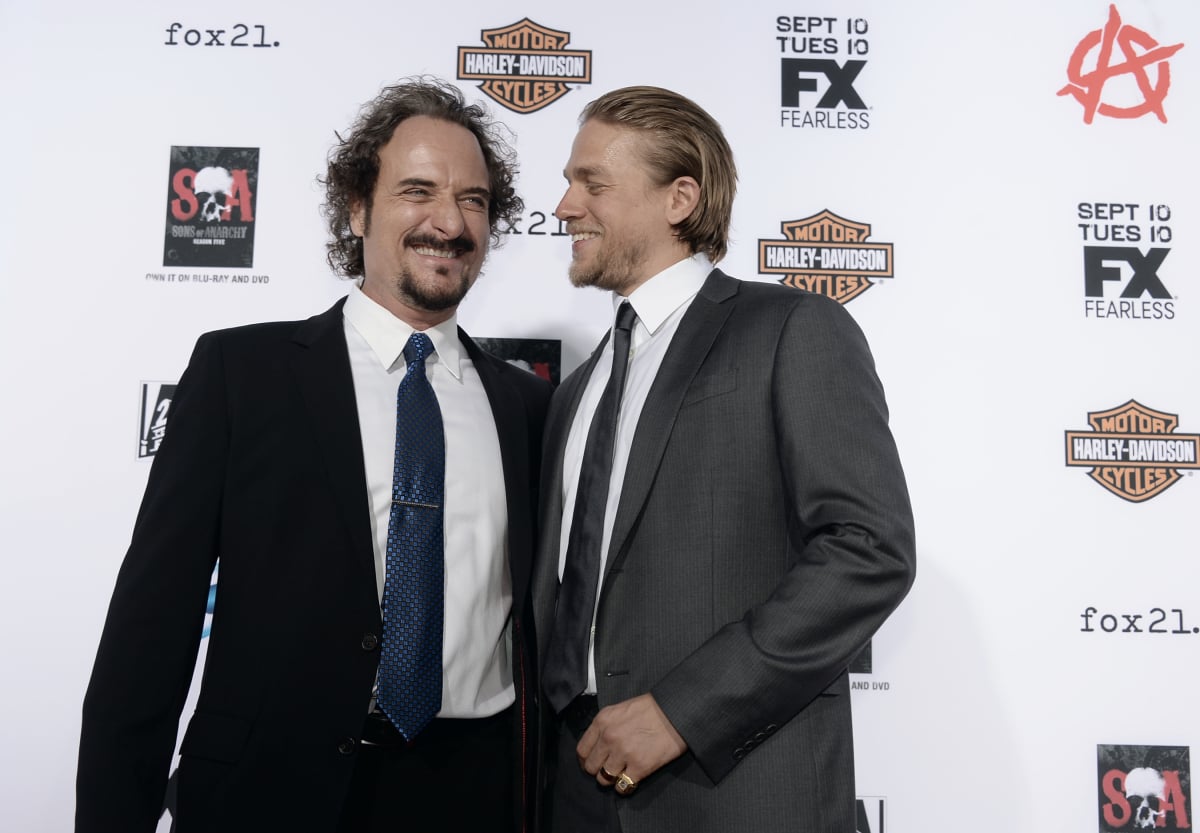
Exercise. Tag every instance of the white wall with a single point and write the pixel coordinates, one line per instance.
(987, 700)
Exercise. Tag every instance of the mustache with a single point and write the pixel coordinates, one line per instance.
(459, 245)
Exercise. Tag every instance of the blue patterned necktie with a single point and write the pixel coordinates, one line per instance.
(566, 669)
(410, 668)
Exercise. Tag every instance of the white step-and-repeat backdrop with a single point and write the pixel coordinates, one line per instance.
(1006, 196)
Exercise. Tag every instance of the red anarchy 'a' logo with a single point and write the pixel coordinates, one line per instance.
(1087, 87)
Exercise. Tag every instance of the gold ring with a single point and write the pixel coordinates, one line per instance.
(625, 785)
(608, 775)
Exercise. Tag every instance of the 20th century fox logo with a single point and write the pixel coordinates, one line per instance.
(816, 88)
(156, 405)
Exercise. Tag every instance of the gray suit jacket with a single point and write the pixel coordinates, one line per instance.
(763, 534)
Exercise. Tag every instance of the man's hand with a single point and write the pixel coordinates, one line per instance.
(633, 737)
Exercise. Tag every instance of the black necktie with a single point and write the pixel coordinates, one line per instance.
(410, 667)
(567, 656)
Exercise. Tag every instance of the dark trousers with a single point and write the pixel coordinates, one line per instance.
(457, 776)
(578, 803)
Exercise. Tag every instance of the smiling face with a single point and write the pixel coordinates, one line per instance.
(619, 219)
(425, 233)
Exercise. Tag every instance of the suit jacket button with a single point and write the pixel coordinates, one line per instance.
(771, 728)
(739, 753)
(346, 746)
(370, 642)
(760, 737)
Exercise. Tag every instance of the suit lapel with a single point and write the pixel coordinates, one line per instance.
(689, 347)
(558, 427)
(508, 410)
(550, 515)
(322, 370)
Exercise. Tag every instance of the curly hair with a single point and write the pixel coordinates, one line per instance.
(354, 160)
(683, 140)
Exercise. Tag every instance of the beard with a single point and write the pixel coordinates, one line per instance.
(438, 294)
(432, 296)
(613, 268)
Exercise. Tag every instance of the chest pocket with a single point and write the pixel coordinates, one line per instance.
(710, 385)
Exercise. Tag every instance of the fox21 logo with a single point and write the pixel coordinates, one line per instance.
(1144, 788)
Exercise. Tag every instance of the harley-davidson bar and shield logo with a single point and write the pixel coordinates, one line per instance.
(524, 66)
(827, 254)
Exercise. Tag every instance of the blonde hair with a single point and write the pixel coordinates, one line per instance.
(682, 140)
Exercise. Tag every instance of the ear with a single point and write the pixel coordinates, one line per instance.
(683, 195)
(358, 219)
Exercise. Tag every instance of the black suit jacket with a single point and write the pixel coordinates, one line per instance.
(262, 468)
(763, 533)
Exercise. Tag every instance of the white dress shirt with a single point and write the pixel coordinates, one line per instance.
(660, 304)
(476, 671)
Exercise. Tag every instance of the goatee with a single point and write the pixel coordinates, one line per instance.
(432, 296)
(439, 295)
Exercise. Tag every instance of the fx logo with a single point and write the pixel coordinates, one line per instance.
(795, 80)
(1145, 270)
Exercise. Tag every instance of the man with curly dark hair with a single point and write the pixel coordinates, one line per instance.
(365, 479)
(354, 163)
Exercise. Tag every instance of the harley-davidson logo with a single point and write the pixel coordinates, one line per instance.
(827, 254)
(524, 66)
(1133, 450)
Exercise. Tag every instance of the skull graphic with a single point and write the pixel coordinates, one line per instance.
(213, 185)
(1144, 788)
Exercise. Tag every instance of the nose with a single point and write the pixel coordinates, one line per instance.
(568, 207)
(447, 219)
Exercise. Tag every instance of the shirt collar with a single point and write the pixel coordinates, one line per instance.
(656, 299)
(386, 334)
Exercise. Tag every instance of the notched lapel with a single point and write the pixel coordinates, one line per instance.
(558, 426)
(322, 370)
(508, 410)
(563, 406)
(566, 403)
(689, 348)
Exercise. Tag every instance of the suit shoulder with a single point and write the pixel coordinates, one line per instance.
(526, 380)
(760, 292)
(249, 333)
(528, 384)
(772, 301)
(268, 332)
